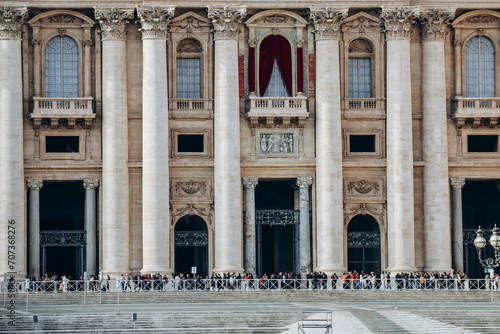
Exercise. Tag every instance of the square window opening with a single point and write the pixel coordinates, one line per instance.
(62, 144)
(190, 143)
(482, 143)
(362, 143)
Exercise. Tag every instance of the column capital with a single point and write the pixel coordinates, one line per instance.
(327, 21)
(398, 20)
(457, 182)
(226, 20)
(250, 182)
(11, 21)
(90, 184)
(113, 21)
(434, 22)
(304, 182)
(34, 184)
(155, 20)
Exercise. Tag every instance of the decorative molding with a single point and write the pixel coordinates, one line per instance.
(376, 210)
(434, 22)
(113, 21)
(191, 187)
(250, 182)
(61, 18)
(364, 188)
(189, 45)
(327, 21)
(11, 21)
(226, 20)
(457, 182)
(34, 184)
(304, 182)
(398, 21)
(360, 45)
(90, 184)
(200, 188)
(361, 24)
(154, 20)
(275, 19)
(481, 19)
(204, 211)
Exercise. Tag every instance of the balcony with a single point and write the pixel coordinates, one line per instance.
(360, 108)
(69, 109)
(277, 111)
(191, 108)
(477, 111)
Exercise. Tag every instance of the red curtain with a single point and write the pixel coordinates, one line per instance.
(275, 47)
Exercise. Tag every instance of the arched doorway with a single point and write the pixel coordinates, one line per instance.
(363, 244)
(191, 245)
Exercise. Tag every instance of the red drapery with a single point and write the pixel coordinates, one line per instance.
(251, 69)
(275, 47)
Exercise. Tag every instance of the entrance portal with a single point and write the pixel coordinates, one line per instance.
(363, 245)
(191, 246)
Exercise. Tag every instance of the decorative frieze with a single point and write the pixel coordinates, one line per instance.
(377, 210)
(226, 21)
(155, 20)
(434, 22)
(34, 184)
(327, 21)
(113, 21)
(11, 21)
(398, 21)
(90, 184)
(205, 211)
(364, 188)
(199, 188)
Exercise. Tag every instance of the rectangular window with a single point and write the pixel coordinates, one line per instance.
(190, 143)
(360, 78)
(482, 143)
(362, 143)
(188, 78)
(62, 144)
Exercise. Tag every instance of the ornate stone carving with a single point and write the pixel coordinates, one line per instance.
(252, 43)
(192, 209)
(11, 21)
(481, 19)
(376, 210)
(90, 184)
(226, 20)
(363, 187)
(190, 24)
(275, 19)
(398, 21)
(154, 20)
(191, 187)
(361, 24)
(360, 45)
(34, 184)
(304, 182)
(327, 21)
(185, 189)
(113, 21)
(250, 182)
(277, 143)
(457, 182)
(189, 45)
(434, 22)
(61, 19)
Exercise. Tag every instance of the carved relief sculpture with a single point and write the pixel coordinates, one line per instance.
(276, 143)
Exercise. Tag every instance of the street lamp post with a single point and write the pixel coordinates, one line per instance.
(480, 243)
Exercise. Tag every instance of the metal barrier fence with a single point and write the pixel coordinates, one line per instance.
(65, 286)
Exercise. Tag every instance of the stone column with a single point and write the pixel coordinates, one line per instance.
(304, 227)
(250, 253)
(437, 229)
(329, 198)
(400, 205)
(34, 187)
(155, 174)
(457, 184)
(228, 215)
(115, 179)
(12, 182)
(90, 225)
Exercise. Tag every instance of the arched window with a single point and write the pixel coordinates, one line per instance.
(360, 69)
(479, 67)
(189, 53)
(275, 67)
(61, 67)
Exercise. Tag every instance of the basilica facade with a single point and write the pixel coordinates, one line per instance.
(264, 137)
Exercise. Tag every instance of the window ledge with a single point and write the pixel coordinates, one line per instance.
(69, 109)
(477, 111)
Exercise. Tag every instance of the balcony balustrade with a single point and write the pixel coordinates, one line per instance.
(363, 108)
(479, 111)
(191, 108)
(55, 109)
(272, 111)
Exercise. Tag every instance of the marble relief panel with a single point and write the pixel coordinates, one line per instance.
(189, 189)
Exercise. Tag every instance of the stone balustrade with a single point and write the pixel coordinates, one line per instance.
(363, 107)
(286, 111)
(54, 108)
(481, 111)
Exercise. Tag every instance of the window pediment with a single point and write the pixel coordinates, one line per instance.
(361, 22)
(276, 18)
(190, 22)
(478, 19)
(57, 17)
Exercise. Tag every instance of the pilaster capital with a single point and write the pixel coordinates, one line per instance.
(90, 184)
(252, 43)
(226, 20)
(434, 22)
(34, 184)
(327, 21)
(304, 182)
(11, 21)
(398, 21)
(457, 182)
(155, 20)
(113, 21)
(250, 182)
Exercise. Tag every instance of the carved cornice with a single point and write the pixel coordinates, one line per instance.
(90, 184)
(434, 22)
(226, 20)
(11, 21)
(327, 21)
(113, 21)
(457, 182)
(398, 21)
(304, 182)
(155, 20)
(34, 184)
(250, 182)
